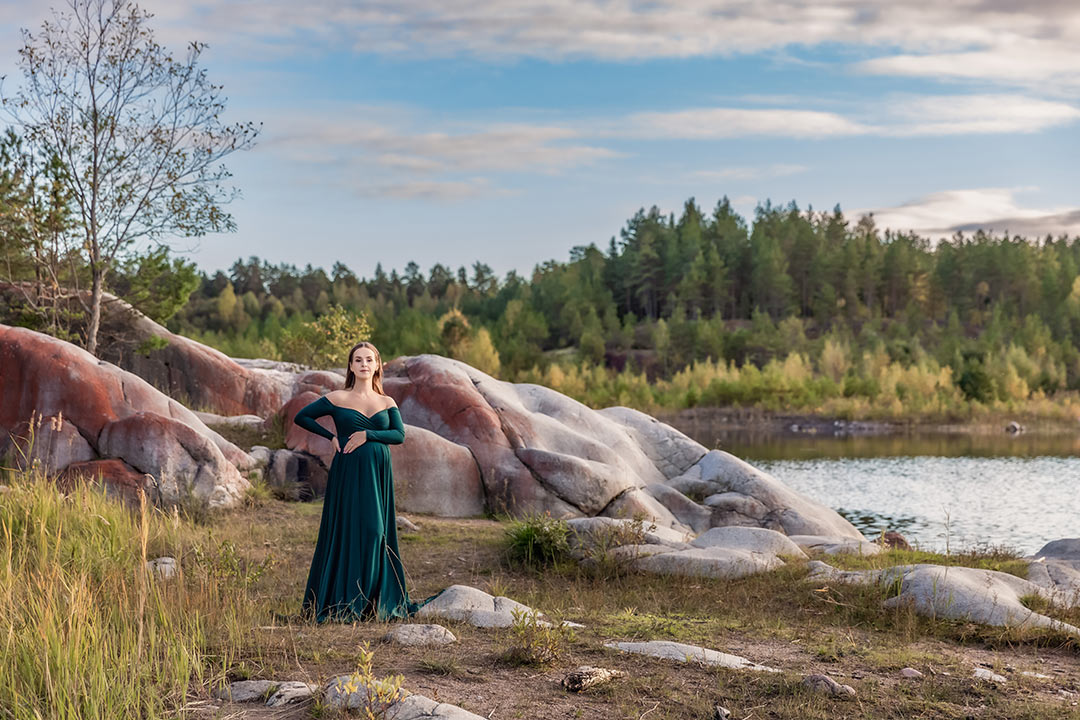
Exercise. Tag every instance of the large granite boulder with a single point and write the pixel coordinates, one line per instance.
(540, 451)
(117, 415)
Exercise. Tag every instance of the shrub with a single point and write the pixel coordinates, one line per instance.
(536, 642)
(538, 540)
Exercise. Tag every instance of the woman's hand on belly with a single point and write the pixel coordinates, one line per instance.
(357, 439)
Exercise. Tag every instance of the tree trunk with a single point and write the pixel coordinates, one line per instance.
(98, 274)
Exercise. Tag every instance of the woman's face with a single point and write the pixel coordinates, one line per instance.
(364, 364)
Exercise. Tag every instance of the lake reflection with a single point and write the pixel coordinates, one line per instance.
(955, 490)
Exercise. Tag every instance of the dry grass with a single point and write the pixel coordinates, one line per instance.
(243, 574)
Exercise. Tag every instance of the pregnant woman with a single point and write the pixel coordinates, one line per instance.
(356, 573)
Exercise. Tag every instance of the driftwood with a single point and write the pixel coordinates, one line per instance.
(586, 677)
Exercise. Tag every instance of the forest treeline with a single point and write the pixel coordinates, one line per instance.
(798, 310)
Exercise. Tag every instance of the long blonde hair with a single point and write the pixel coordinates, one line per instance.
(376, 379)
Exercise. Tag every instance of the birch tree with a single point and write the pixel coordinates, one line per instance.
(140, 132)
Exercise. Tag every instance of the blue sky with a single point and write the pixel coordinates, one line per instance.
(510, 131)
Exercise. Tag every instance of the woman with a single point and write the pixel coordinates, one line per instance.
(356, 573)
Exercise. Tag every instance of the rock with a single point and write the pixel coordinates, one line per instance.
(197, 374)
(984, 674)
(435, 476)
(249, 422)
(52, 444)
(636, 503)
(406, 525)
(107, 406)
(184, 463)
(163, 568)
(414, 635)
(748, 496)
(1066, 550)
(120, 479)
(719, 712)
(296, 475)
(910, 673)
(686, 511)
(749, 539)
(837, 545)
(671, 451)
(713, 562)
(982, 596)
(473, 606)
(532, 444)
(586, 677)
(895, 541)
(291, 692)
(408, 707)
(261, 455)
(246, 690)
(1014, 428)
(668, 650)
(827, 686)
(605, 532)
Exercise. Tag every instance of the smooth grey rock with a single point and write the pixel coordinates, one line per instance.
(246, 690)
(251, 422)
(784, 509)
(406, 525)
(638, 503)
(671, 451)
(473, 606)
(712, 562)
(609, 531)
(681, 652)
(261, 454)
(685, 510)
(827, 686)
(910, 672)
(983, 596)
(408, 707)
(435, 476)
(750, 539)
(291, 692)
(163, 568)
(984, 674)
(415, 635)
(57, 443)
(837, 545)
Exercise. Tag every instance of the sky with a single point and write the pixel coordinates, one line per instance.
(509, 131)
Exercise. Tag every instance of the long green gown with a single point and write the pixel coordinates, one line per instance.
(356, 572)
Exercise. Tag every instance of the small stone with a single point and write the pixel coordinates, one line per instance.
(827, 686)
(163, 568)
(668, 650)
(1036, 675)
(719, 712)
(910, 672)
(984, 674)
(586, 677)
(415, 635)
(246, 690)
(262, 454)
(1068, 694)
(404, 523)
(291, 692)
(895, 541)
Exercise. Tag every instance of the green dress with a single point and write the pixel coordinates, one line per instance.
(356, 572)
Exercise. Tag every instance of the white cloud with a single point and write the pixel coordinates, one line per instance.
(992, 209)
(445, 190)
(751, 173)
(721, 123)
(977, 114)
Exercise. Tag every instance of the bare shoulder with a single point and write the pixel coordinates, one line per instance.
(334, 396)
(389, 402)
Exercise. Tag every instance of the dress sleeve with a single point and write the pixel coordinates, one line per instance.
(307, 416)
(395, 435)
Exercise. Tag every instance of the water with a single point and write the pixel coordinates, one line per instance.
(942, 491)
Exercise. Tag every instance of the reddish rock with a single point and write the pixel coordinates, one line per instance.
(40, 374)
(53, 444)
(895, 541)
(121, 480)
(185, 463)
(436, 476)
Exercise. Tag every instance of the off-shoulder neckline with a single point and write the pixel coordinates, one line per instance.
(361, 414)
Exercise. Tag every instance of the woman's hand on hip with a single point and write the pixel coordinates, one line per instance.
(357, 439)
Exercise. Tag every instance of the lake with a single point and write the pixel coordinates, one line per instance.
(942, 491)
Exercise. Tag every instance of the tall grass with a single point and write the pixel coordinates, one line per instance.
(86, 631)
